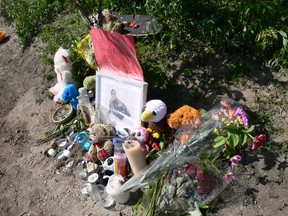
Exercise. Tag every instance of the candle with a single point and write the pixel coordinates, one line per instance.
(67, 153)
(135, 155)
(52, 152)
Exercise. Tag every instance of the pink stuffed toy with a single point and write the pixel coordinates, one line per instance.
(142, 136)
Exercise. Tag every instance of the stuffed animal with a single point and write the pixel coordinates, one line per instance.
(141, 134)
(185, 116)
(154, 114)
(89, 83)
(100, 136)
(62, 61)
(63, 68)
(71, 93)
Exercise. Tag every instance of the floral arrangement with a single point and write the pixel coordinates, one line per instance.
(235, 135)
(192, 174)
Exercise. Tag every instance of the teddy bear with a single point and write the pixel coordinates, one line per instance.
(184, 117)
(63, 68)
(102, 146)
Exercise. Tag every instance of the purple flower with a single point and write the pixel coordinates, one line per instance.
(235, 161)
(229, 177)
(258, 141)
(243, 116)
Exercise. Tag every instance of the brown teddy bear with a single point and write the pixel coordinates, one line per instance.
(102, 146)
(186, 116)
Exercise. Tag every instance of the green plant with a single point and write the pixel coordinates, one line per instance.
(29, 17)
(235, 135)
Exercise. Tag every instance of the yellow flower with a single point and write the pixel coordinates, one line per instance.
(156, 135)
(149, 130)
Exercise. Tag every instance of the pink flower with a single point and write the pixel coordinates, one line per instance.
(243, 116)
(229, 177)
(258, 141)
(235, 161)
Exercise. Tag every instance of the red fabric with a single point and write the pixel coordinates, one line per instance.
(115, 54)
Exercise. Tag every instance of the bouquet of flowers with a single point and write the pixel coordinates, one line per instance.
(189, 175)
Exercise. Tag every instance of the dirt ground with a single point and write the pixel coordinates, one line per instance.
(31, 185)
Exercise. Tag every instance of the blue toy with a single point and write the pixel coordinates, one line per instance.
(70, 93)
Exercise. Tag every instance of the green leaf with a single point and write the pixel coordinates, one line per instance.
(244, 139)
(283, 34)
(249, 130)
(219, 141)
(234, 140)
(231, 128)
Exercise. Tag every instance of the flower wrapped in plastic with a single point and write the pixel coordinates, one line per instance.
(85, 50)
(191, 174)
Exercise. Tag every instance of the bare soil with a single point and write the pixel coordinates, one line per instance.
(31, 184)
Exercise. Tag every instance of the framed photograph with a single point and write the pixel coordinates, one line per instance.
(120, 100)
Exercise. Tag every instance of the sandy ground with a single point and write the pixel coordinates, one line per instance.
(30, 184)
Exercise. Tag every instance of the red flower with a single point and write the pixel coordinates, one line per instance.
(258, 141)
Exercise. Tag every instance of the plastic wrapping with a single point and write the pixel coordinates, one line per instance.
(85, 49)
(191, 174)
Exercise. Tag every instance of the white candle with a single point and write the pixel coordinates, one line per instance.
(52, 152)
(135, 155)
(67, 153)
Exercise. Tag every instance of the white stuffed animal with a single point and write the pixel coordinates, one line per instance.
(63, 68)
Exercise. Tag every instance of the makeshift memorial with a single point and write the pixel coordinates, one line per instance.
(71, 93)
(193, 172)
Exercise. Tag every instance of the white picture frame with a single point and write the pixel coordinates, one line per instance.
(132, 95)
